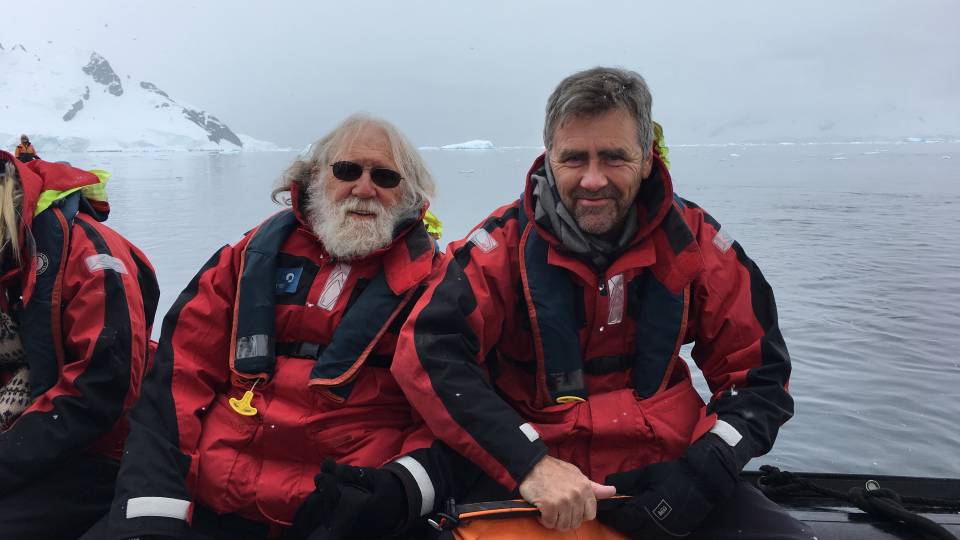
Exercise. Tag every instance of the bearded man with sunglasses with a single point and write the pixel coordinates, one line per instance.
(277, 354)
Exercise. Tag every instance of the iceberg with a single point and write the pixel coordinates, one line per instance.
(477, 144)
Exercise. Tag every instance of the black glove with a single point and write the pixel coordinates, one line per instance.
(351, 502)
(674, 497)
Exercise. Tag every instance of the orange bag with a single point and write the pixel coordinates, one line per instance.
(517, 520)
(528, 528)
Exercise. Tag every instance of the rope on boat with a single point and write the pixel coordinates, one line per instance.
(882, 503)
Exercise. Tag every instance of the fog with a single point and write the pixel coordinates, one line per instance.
(736, 71)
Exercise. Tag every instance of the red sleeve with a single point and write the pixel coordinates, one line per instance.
(442, 347)
(189, 369)
(738, 344)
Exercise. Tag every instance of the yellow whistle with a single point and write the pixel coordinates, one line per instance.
(242, 406)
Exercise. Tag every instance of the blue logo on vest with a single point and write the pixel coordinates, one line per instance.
(287, 280)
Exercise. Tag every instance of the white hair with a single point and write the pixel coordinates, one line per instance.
(417, 185)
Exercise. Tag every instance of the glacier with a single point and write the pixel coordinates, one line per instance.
(75, 101)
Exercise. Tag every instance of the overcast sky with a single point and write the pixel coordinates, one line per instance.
(446, 72)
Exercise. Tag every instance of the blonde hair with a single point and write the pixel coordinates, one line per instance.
(11, 197)
(418, 185)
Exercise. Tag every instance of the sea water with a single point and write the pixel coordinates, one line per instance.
(859, 242)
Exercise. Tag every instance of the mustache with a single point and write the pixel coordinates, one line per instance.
(608, 191)
(354, 204)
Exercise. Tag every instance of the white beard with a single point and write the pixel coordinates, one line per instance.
(345, 236)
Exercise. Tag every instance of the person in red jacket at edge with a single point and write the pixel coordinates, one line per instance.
(77, 301)
(546, 347)
(276, 355)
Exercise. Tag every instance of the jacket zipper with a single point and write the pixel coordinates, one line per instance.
(603, 284)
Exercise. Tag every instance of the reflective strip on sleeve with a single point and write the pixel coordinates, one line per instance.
(102, 261)
(722, 240)
(728, 433)
(482, 239)
(427, 493)
(158, 507)
(529, 431)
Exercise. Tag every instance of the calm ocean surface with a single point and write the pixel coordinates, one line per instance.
(861, 243)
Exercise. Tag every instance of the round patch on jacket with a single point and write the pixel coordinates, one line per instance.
(42, 263)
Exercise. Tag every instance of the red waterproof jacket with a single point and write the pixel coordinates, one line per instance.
(473, 360)
(189, 444)
(84, 298)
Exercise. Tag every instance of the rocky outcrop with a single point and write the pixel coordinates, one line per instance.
(216, 130)
(73, 110)
(150, 87)
(77, 106)
(100, 70)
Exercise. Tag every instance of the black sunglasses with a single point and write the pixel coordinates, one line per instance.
(349, 171)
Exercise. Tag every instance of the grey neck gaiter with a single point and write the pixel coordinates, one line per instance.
(552, 215)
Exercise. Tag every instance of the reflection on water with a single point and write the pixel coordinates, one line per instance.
(862, 253)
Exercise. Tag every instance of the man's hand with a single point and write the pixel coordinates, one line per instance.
(564, 496)
(674, 497)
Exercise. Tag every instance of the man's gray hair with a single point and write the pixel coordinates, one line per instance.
(595, 91)
(417, 184)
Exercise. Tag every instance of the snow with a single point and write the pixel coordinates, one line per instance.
(477, 144)
(256, 145)
(74, 101)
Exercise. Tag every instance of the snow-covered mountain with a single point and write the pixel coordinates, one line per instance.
(75, 101)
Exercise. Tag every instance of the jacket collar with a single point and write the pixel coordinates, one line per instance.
(653, 202)
(37, 178)
(40, 176)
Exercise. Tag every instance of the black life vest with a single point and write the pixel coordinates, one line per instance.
(658, 314)
(350, 347)
(39, 319)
